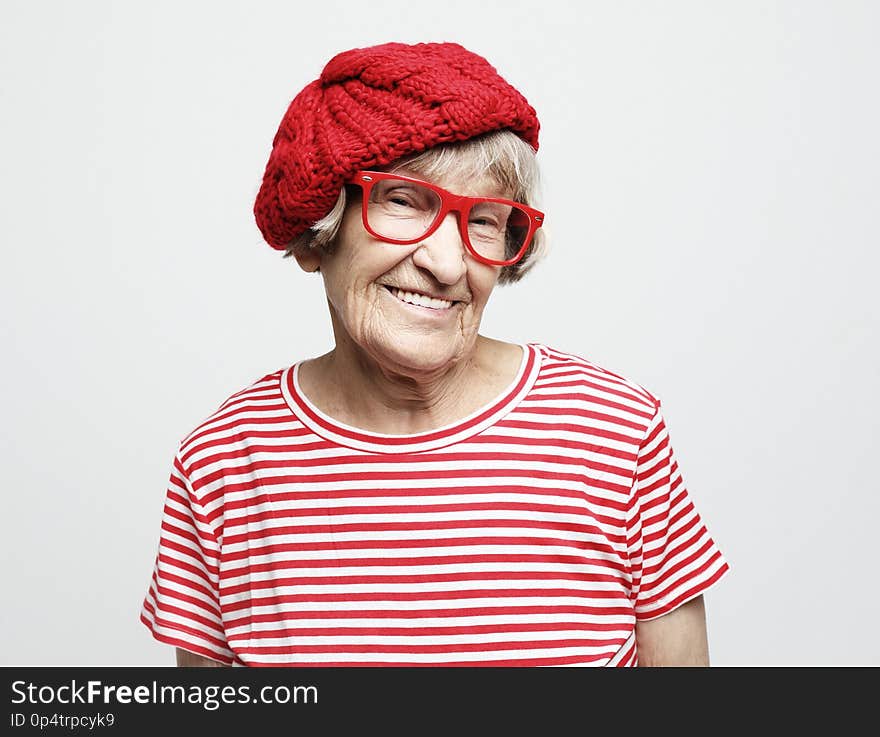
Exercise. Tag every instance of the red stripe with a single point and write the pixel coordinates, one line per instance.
(201, 567)
(419, 614)
(387, 476)
(558, 359)
(588, 384)
(162, 593)
(504, 663)
(629, 657)
(422, 578)
(701, 585)
(426, 560)
(350, 527)
(418, 437)
(382, 509)
(196, 634)
(671, 540)
(590, 400)
(444, 648)
(424, 596)
(372, 492)
(251, 467)
(419, 631)
(186, 644)
(248, 448)
(623, 456)
(168, 564)
(233, 426)
(245, 434)
(669, 585)
(204, 623)
(556, 426)
(187, 534)
(254, 551)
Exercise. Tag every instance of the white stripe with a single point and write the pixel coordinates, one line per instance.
(234, 526)
(517, 584)
(464, 656)
(619, 626)
(415, 640)
(577, 539)
(418, 605)
(499, 569)
(281, 558)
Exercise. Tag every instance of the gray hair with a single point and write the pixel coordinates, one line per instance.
(507, 158)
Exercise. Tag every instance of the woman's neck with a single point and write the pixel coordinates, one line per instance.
(355, 389)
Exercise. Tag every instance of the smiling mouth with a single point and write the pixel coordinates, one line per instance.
(420, 300)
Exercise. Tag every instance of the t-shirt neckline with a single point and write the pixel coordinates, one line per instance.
(353, 437)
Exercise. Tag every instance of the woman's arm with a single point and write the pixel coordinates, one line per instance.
(678, 638)
(186, 659)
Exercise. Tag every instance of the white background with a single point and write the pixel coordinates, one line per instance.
(711, 184)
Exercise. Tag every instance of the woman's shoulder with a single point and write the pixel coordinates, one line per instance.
(562, 365)
(254, 403)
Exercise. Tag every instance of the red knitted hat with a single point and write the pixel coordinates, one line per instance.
(370, 107)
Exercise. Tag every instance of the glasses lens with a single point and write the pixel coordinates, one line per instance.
(497, 231)
(405, 211)
(401, 210)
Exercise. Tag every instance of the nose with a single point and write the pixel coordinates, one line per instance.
(443, 253)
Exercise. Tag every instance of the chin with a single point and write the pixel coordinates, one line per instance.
(422, 354)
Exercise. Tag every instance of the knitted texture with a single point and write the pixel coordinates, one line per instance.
(370, 107)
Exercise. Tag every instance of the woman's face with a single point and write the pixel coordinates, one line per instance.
(361, 271)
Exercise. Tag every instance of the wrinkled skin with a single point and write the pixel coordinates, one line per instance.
(392, 370)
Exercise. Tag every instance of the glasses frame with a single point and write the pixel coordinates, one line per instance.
(449, 202)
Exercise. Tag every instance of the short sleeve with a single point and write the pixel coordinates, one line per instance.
(182, 606)
(672, 557)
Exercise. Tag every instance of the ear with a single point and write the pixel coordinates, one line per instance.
(309, 259)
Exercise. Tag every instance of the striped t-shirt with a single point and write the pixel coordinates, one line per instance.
(535, 531)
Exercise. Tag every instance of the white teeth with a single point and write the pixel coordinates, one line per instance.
(421, 299)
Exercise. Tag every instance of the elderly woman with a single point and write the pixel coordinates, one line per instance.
(422, 494)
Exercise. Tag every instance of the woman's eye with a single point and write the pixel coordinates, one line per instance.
(483, 222)
(404, 197)
(489, 216)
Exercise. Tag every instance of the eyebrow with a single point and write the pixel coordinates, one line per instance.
(498, 189)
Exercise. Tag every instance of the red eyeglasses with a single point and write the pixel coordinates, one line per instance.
(403, 210)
